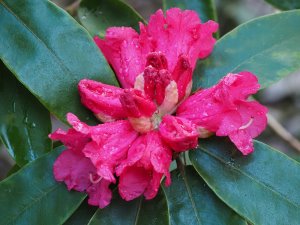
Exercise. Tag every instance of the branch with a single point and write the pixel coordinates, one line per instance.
(283, 133)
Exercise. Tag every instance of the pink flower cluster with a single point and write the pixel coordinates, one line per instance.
(153, 116)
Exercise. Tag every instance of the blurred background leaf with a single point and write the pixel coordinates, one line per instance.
(285, 4)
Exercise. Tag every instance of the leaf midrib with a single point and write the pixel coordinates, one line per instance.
(191, 198)
(252, 178)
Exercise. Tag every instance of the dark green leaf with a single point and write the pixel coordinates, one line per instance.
(82, 215)
(206, 9)
(190, 201)
(263, 187)
(32, 196)
(268, 47)
(24, 122)
(13, 170)
(135, 212)
(285, 4)
(49, 52)
(97, 15)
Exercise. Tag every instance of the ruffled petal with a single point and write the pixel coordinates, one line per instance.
(75, 138)
(224, 109)
(109, 146)
(100, 194)
(102, 100)
(179, 133)
(180, 32)
(242, 141)
(123, 51)
(74, 169)
(153, 186)
(133, 182)
(160, 154)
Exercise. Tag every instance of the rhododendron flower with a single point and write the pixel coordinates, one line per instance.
(152, 115)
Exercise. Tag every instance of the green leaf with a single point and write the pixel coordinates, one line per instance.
(24, 122)
(263, 187)
(13, 170)
(49, 52)
(135, 212)
(206, 9)
(32, 196)
(267, 46)
(82, 215)
(190, 201)
(97, 15)
(285, 4)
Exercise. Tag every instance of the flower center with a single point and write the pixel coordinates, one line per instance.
(154, 95)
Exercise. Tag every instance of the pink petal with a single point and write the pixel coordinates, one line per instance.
(242, 141)
(102, 100)
(109, 146)
(133, 182)
(77, 124)
(182, 74)
(180, 32)
(100, 194)
(74, 169)
(161, 155)
(202, 109)
(180, 134)
(75, 138)
(241, 85)
(123, 51)
(153, 186)
(135, 153)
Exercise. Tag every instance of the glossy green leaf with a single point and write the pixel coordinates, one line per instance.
(268, 47)
(24, 122)
(135, 212)
(263, 187)
(32, 196)
(285, 4)
(49, 52)
(206, 9)
(82, 215)
(97, 15)
(190, 201)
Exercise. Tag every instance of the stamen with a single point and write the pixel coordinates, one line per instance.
(247, 125)
(93, 180)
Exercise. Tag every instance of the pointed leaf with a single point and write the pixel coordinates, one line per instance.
(24, 122)
(263, 187)
(285, 5)
(267, 46)
(32, 196)
(206, 9)
(135, 212)
(190, 201)
(97, 15)
(49, 52)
